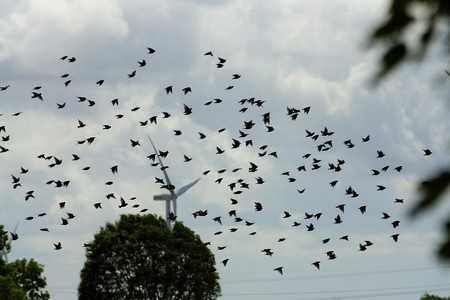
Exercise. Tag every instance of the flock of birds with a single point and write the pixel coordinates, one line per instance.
(246, 176)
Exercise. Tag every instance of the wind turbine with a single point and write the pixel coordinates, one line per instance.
(4, 250)
(172, 196)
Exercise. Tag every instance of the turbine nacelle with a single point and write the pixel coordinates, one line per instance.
(164, 197)
(172, 196)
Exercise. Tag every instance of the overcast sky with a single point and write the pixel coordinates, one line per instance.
(294, 54)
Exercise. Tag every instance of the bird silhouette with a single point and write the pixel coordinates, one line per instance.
(258, 206)
(395, 237)
(279, 270)
(57, 246)
(219, 151)
(122, 203)
(331, 255)
(395, 224)
(186, 90)
(380, 154)
(337, 219)
(134, 143)
(362, 209)
(187, 110)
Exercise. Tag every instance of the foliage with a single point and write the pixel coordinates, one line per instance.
(427, 296)
(139, 257)
(418, 21)
(408, 30)
(27, 274)
(10, 289)
(21, 279)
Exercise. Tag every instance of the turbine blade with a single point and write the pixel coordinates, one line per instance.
(183, 189)
(162, 167)
(17, 225)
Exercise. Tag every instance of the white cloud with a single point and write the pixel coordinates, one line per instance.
(289, 54)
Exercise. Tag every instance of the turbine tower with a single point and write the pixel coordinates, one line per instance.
(172, 196)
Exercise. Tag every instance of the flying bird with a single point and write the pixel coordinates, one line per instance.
(134, 143)
(279, 270)
(385, 216)
(337, 219)
(258, 206)
(427, 152)
(60, 106)
(380, 154)
(122, 203)
(187, 109)
(366, 139)
(186, 90)
(115, 169)
(219, 151)
(395, 237)
(57, 246)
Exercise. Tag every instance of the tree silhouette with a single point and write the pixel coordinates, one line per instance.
(433, 297)
(21, 279)
(139, 257)
(408, 30)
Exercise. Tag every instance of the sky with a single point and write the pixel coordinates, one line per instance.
(289, 54)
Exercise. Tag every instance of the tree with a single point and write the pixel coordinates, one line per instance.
(139, 257)
(10, 289)
(21, 279)
(427, 296)
(406, 33)
(27, 274)
(408, 30)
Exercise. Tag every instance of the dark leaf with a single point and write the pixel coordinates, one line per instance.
(431, 190)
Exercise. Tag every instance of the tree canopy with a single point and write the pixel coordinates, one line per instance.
(408, 30)
(427, 296)
(21, 279)
(139, 257)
